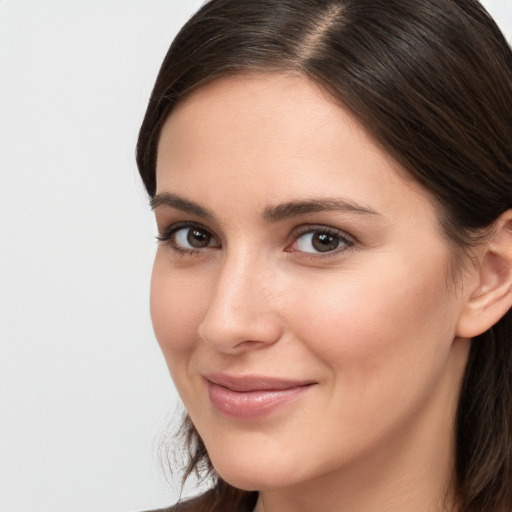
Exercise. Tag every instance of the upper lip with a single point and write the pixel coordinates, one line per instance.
(245, 383)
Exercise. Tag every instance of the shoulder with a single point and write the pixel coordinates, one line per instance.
(196, 504)
(228, 500)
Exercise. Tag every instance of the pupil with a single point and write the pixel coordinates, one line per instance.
(198, 238)
(323, 242)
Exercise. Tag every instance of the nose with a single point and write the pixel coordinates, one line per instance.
(242, 313)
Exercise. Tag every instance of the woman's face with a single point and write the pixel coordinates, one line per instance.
(301, 294)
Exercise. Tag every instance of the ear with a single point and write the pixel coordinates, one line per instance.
(490, 296)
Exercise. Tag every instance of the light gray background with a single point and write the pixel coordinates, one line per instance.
(84, 391)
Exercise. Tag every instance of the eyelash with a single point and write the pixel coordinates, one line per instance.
(347, 242)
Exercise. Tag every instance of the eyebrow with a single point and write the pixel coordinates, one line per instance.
(179, 203)
(308, 206)
(272, 213)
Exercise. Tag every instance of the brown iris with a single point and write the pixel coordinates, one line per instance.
(198, 238)
(325, 242)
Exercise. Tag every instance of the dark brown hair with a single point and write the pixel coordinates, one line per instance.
(431, 80)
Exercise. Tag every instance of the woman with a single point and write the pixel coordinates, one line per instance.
(332, 184)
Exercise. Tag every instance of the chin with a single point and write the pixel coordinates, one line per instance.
(250, 480)
(252, 474)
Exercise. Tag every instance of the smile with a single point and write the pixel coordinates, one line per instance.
(251, 398)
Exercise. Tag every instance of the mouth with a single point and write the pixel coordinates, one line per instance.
(252, 397)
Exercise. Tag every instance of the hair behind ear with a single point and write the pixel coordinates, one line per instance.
(484, 422)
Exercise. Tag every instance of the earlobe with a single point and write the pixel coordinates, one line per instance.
(491, 298)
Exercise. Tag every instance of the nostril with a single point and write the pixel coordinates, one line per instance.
(250, 344)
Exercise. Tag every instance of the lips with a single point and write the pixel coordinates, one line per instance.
(252, 397)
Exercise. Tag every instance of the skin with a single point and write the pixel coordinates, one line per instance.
(373, 323)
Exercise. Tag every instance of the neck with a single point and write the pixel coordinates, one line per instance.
(374, 485)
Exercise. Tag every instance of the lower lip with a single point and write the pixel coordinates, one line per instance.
(251, 405)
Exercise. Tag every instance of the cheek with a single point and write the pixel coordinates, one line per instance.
(177, 305)
(366, 326)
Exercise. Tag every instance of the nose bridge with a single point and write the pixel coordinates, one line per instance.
(240, 312)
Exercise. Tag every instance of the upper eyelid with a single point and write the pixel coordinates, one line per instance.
(303, 228)
(311, 228)
(168, 231)
(175, 226)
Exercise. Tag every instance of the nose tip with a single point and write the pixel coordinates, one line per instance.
(241, 315)
(231, 334)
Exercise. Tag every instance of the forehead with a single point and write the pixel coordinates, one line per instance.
(270, 136)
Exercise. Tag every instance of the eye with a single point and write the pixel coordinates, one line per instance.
(189, 237)
(321, 240)
(193, 238)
